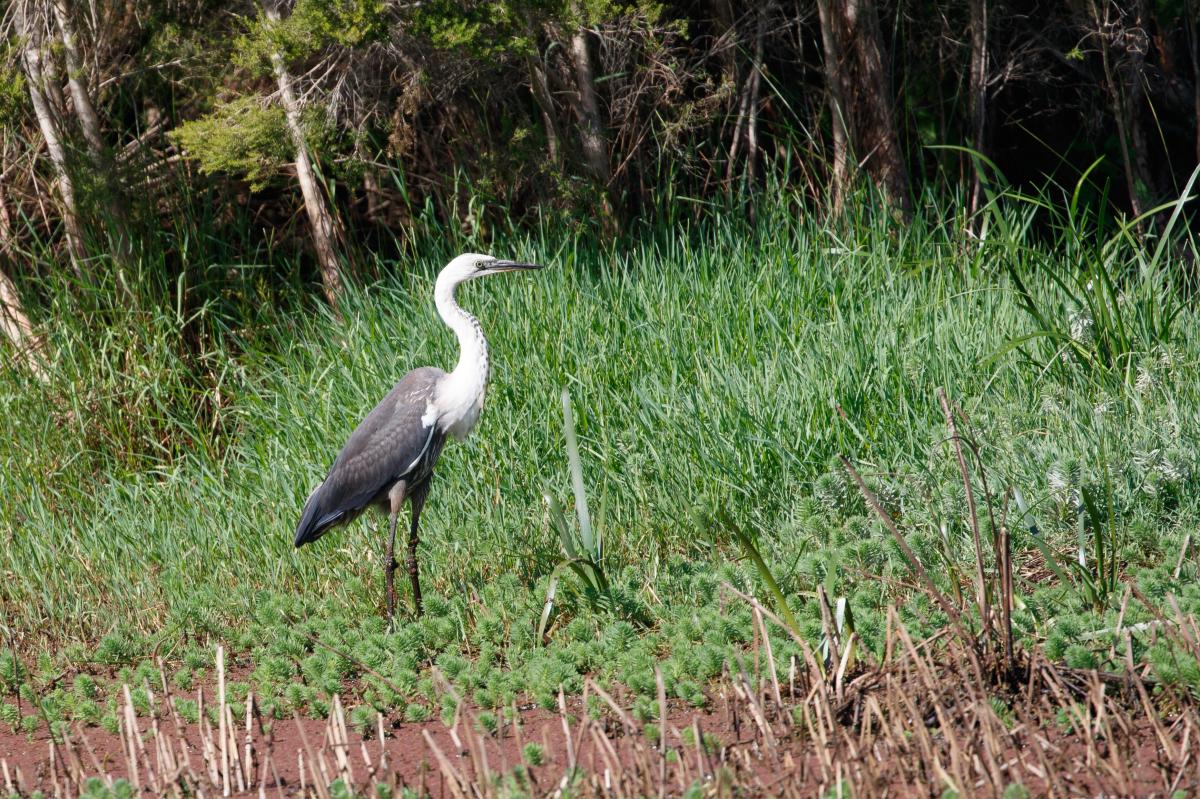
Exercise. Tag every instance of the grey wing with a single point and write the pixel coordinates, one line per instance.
(397, 440)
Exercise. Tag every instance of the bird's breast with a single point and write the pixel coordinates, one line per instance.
(458, 409)
(461, 426)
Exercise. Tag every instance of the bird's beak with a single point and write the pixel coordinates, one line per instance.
(509, 266)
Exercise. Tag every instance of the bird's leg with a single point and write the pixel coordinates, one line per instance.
(418, 502)
(395, 501)
(389, 570)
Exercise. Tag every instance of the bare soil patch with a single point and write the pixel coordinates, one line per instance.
(931, 717)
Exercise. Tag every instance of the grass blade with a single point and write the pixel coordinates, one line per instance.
(764, 571)
(576, 467)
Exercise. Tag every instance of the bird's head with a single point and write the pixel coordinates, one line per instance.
(469, 266)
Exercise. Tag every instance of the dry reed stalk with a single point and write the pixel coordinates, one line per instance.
(570, 742)
(136, 735)
(262, 778)
(683, 774)
(703, 764)
(660, 688)
(71, 759)
(248, 739)
(208, 750)
(914, 564)
(184, 758)
(993, 733)
(366, 758)
(767, 612)
(950, 736)
(644, 770)
(382, 748)
(1187, 627)
(626, 720)
(776, 694)
(222, 732)
(323, 764)
(164, 757)
(517, 729)
(985, 614)
(819, 693)
(746, 691)
(1004, 569)
(839, 677)
(320, 778)
(479, 758)
(126, 730)
(923, 669)
(235, 759)
(452, 731)
(458, 786)
(1118, 628)
(1179, 774)
(54, 771)
(95, 761)
(601, 744)
(339, 739)
(57, 767)
(829, 627)
(1183, 553)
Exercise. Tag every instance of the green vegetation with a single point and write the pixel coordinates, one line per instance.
(311, 27)
(241, 137)
(715, 373)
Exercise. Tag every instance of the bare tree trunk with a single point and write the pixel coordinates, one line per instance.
(14, 324)
(325, 230)
(870, 117)
(372, 192)
(747, 117)
(545, 101)
(34, 59)
(979, 90)
(736, 142)
(1139, 37)
(52, 88)
(81, 99)
(119, 233)
(587, 108)
(591, 137)
(6, 223)
(755, 76)
(837, 114)
(1122, 101)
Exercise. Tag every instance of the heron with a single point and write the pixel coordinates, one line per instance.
(389, 458)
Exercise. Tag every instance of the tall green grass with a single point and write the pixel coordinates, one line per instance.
(716, 368)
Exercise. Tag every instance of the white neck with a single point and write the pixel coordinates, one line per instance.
(460, 396)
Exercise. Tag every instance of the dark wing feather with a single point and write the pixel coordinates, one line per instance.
(390, 444)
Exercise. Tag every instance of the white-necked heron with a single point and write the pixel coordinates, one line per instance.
(389, 458)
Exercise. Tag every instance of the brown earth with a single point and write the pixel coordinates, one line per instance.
(932, 716)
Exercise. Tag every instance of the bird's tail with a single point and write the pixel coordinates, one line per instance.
(310, 528)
